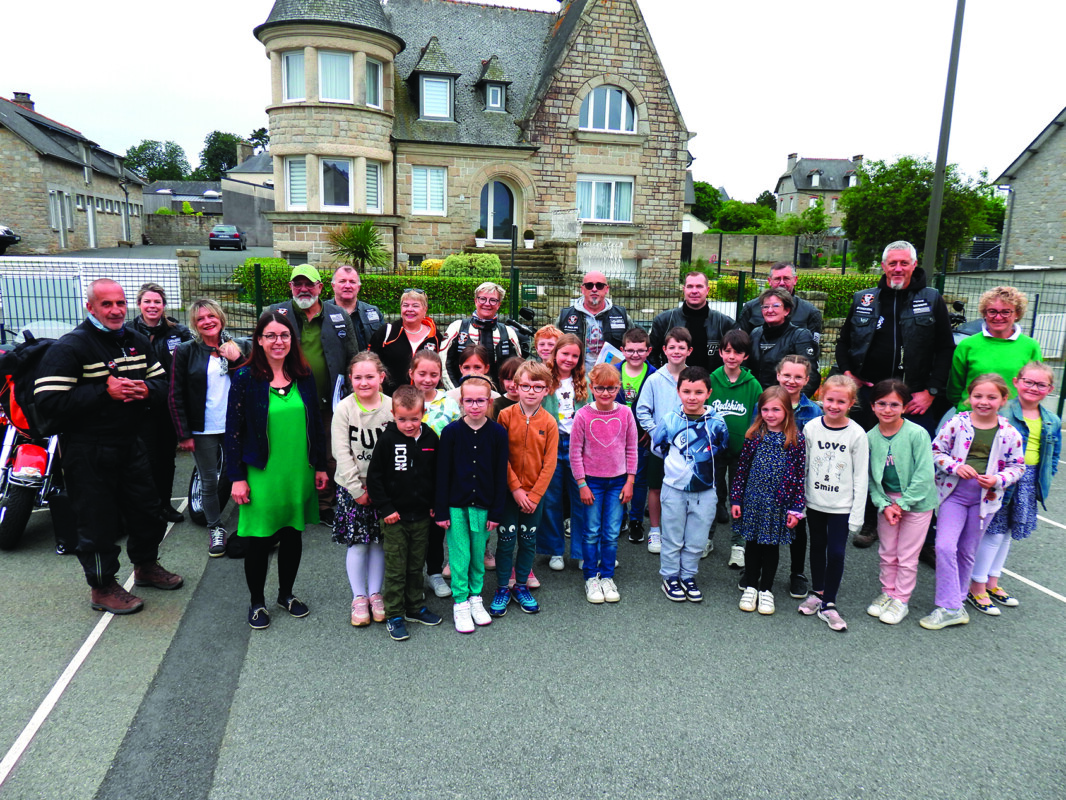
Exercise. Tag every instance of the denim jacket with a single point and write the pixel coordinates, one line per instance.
(1050, 445)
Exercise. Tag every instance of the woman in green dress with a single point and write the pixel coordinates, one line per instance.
(276, 458)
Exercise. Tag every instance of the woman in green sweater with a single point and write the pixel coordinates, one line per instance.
(1000, 348)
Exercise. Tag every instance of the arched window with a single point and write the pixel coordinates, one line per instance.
(608, 108)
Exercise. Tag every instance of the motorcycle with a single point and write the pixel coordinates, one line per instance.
(196, 491)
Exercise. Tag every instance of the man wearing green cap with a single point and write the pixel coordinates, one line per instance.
(328, 341)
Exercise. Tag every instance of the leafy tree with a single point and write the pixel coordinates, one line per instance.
(219, 154)
(260, 139)
(892, 201)
(708, 202)
(767, 199)
(748, 217)
(158, 161)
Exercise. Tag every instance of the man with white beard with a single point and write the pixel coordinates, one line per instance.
(328, 341)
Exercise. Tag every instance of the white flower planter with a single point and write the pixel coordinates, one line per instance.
(479, 242)
(528, 243)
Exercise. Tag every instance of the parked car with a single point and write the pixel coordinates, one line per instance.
(227, 236)
(7, 238)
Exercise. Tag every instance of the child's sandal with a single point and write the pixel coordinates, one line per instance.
(982, 603)
(1001, 597)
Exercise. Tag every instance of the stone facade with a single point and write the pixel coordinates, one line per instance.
(796, 188)
(165, 229)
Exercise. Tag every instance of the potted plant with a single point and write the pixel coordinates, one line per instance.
(479, 237)
(359, 245)
(527, 237)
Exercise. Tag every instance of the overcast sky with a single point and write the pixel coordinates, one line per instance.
(755, 80)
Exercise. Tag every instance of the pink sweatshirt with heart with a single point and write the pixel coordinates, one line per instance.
(603, 444)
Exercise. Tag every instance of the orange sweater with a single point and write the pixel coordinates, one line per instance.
(533, 445)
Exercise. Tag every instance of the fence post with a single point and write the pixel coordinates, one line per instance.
(719, 264)
(1036, 307)
(796, 250)
(257, 272)
(514, 273)
(741, 293)
(754, 253)
(844, 259)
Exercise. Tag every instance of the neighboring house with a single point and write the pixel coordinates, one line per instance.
(203, 196)
(59, 190)
(1034, 233)
(247, 196)
(690, 223)
(435, 118)
(807, 180)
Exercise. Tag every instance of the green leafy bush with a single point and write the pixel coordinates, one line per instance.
(486, 266)
(726, 288)
(447, 296)
(186, 207)
(840, 289)
(275, 272)
(164, 211)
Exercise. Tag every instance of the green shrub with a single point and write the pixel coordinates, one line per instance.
(275, 272)
(431, 266)
(447, 296)
(164, 211)
(486, 266)
(725, 288)
(840, 289)
(186, 207)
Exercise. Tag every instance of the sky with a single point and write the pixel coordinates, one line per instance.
(755, 80)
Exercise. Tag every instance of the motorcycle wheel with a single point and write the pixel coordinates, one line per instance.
(15, 510)
(196, 493)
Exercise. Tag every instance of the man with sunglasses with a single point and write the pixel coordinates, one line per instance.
(706, 326)
(594, 319)
(483, 327)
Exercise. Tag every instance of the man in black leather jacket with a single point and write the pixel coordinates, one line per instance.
(706, 326)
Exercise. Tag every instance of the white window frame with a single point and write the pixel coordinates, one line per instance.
(834, 204)
(425, 205)
(346, 82)
(816, 180)
(378, 85)
(322, 162)
(791, 204)
(853, 180)
(285, 96)
(812, 202)
(100, 204)
(81, 202)
(289, 204)
(613, 182)
(373, 199)
(499, 102)
(601, 96)
(108, 207)
(450, 87)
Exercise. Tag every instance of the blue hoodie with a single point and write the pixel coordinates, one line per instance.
(688, 447)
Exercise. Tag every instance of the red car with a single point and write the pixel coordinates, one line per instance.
(227, 236)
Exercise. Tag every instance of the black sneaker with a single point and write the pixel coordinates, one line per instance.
(171, 514)
(258, 618)
(326, 517)
(636, 531)
(294, 606)
(397, 630)
(798, 586)
(423, 615)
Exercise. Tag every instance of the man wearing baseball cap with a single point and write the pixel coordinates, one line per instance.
(328, 340)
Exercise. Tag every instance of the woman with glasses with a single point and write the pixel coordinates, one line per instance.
(1000, 348)
(777, 338)
(199, 390)
(483, 328)
(397, 341)
(276, 458)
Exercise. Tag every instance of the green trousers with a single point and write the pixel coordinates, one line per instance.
(405, 553)
(467, 538)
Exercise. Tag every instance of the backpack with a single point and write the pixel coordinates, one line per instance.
(18, 374)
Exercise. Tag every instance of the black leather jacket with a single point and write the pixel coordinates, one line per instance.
(187, 398)
(804, 315)
(770, 344)
(716, 326)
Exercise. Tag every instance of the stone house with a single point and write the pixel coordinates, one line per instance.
(807, 180)
(247, 195)
(435, 118)
(59, 190)
(1034, 233)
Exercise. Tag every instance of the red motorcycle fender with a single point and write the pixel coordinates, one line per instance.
(31, 461)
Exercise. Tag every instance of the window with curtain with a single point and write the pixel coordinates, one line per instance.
(292, 75)
(373, 186)
(605, 198)
(335, 76)
(374, 72)
(427, 190)
(436, 98)
(608, 108)
(336, 183)
(296, 182)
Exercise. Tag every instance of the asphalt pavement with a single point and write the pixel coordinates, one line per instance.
(646, 698)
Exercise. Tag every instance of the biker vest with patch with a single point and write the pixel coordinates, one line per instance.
(502, 347)
(917, 330)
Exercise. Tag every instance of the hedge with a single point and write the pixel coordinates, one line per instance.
(276, 272)
(839, 288)
(447, 296)
(486, 266)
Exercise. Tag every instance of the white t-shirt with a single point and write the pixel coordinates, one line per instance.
(217, 398)
(565, 395)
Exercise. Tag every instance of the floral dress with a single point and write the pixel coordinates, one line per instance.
(768, 484)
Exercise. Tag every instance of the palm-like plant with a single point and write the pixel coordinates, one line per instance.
(360, 245)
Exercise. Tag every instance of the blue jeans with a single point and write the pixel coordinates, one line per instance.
(550, 538)
(600, 525)
(640, 488)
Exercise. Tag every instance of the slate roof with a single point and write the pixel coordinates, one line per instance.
(260, 162)
(365, 14)
(185, 188)
(56, 140)
(468, 35)
(833, 173)
(1053, 127)
(492, 72)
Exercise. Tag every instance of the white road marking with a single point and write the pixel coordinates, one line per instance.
(11, 758)
(1051, 522)
(1035, 585)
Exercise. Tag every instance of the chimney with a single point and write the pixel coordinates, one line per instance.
(23, 99)
(857, 159)
(245, 150)
(792, 159)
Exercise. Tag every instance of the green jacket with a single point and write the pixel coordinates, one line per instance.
(912, 452)
(735, 403)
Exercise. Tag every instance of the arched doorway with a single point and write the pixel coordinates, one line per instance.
(497, 210)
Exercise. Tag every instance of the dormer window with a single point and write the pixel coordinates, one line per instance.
(495, 97)
(435, 97)
(852, 180)
(815, 180)
(608, 108)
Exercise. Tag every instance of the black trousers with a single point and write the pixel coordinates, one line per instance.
(110, 483)
(160, 439)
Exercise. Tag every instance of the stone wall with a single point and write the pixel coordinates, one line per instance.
(179, 230)
(737, 248)
(1036, 232)
(21, 183)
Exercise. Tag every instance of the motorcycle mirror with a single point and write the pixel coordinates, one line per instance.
(527, 314)
(958, 305)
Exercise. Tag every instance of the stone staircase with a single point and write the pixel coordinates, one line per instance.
(538, 265)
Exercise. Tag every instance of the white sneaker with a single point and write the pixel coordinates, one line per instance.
(610, 590)
(708, 548)
(894, 612)
(749, 599)
(556, 563)
(478, 612)
(439, 586)
(593, 591)
(736, 557)
(878, 606)
(655, 542)
(766, 603)
(463, 622)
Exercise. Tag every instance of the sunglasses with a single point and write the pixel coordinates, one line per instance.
(414, 289)
(597, 285)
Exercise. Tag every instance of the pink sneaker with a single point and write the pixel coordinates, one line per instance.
(360, 612)
(532, 581)
(810, 606)
(832, 618)
(377, 607)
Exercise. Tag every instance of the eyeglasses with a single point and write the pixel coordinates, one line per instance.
(881, 404)
(276, 337)
(999, 313)
(414, 289)
(630, 351)
(475, 402)
(604, 389)
(529, 387)
(1028, 384)
(597, 285)
(488, 301)
(773, 307)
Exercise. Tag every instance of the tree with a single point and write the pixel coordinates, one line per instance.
(891, 202)
(219, 154)
(260, 139)
(358, 245)
(767, 199)
(708, 202)
(748, 217)
(158, 161)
